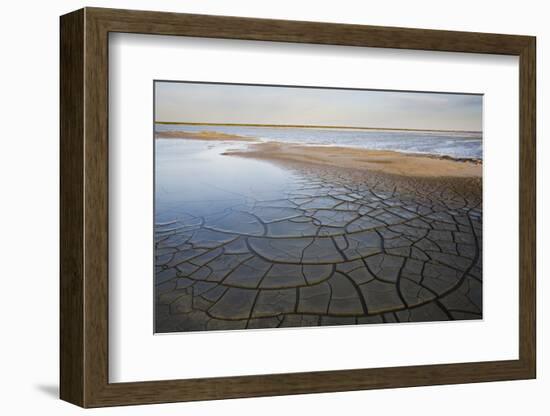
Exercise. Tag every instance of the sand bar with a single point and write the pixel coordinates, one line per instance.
(364, 159)
(202, 135)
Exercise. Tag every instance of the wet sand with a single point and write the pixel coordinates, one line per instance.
(372, 160)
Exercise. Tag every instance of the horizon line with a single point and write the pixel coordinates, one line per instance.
(314, 126)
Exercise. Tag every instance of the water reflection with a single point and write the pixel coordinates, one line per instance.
(194, 177)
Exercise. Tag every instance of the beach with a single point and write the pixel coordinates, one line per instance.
(367, 160)
(387, 161)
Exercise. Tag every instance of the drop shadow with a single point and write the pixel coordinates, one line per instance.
(51, 390)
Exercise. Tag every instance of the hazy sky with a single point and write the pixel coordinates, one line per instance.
(219, 103)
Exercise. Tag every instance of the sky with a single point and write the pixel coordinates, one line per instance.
(253, 104)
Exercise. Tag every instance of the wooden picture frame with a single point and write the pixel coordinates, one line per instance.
(84, 207)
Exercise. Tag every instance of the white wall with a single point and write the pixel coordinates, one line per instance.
(29, 207)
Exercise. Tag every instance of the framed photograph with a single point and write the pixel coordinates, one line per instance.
(255, 207)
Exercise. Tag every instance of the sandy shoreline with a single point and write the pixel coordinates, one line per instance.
(385, 161)
(370, 160)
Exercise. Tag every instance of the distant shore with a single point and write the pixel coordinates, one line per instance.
(307, 126)
(363, 159)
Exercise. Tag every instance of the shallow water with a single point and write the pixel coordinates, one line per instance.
(453, 144)
(194, 178)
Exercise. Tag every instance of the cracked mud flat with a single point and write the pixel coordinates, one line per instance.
(250, 244)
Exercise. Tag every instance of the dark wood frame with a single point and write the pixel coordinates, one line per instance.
(84, 207)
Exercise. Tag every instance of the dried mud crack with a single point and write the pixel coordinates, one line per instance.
(339, 247)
